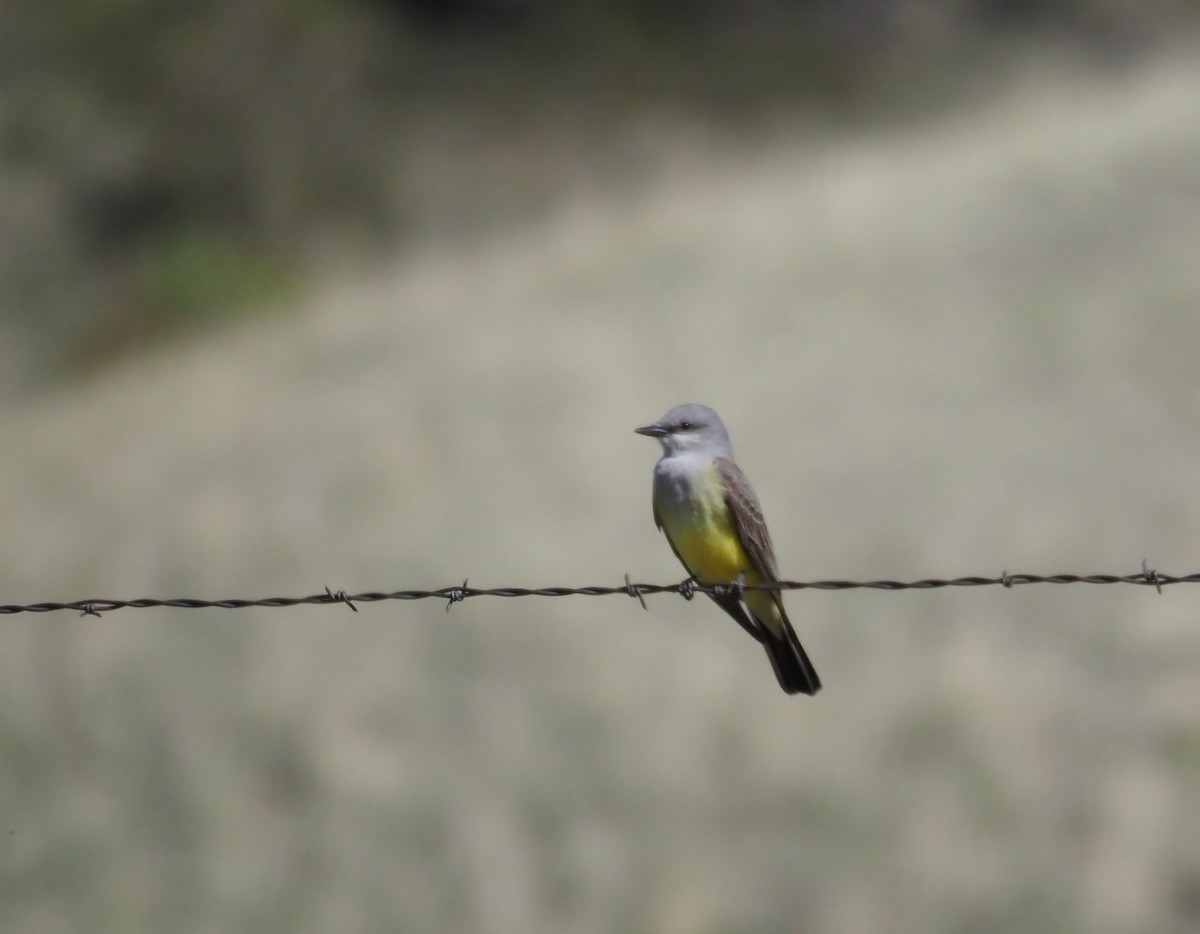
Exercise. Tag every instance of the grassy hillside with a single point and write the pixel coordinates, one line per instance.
(953, 347)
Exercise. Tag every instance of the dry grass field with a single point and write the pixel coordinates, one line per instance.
(957, 346)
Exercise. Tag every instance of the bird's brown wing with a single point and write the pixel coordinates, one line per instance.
(730, 604)
(748, 523)
(793, 668)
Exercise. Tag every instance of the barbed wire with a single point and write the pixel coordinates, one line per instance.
(1147, 577)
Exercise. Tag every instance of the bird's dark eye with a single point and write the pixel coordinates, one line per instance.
(685, 426)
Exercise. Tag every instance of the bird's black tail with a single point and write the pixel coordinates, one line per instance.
(795, 672)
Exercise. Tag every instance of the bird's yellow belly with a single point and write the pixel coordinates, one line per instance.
(710, 549)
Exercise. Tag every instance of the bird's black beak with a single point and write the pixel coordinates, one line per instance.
(651, 431)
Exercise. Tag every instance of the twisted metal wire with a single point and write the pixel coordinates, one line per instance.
(1147, 577)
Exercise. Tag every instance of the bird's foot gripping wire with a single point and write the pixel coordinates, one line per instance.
(735, 588)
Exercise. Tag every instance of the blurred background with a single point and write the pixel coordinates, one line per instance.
(297, 293)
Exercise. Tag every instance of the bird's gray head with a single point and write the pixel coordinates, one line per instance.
(690, 428)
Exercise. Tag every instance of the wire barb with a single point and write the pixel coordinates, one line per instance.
(634, 591)
(1152, 577)
(456, 595)
(340, 596)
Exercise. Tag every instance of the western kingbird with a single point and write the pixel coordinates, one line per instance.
(711, 517)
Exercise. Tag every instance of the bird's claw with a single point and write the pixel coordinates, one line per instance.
(735, 588)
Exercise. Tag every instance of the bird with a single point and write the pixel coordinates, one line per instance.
(711, 517)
